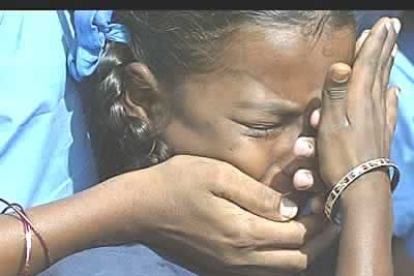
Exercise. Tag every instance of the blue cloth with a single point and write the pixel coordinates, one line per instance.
(402, 151)
(93, 29)
(134, 260)
(45, 151)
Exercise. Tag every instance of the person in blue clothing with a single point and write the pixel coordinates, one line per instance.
(45, 158)
(45, 152)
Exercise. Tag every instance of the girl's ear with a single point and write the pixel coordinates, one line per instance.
(141, 93)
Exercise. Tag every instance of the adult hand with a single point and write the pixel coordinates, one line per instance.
(209, 217)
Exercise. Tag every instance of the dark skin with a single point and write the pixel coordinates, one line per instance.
(249, 113)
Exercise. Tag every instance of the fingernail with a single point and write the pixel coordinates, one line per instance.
(397, 25)
(340, 72)
(305, 149)
(315, 117)
(394, 51)
(305, 177)
(288, 208)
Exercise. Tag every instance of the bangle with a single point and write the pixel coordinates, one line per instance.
(350, 177)
(27, 236)
(28, 230)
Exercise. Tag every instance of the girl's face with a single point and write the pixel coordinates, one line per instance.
(250, 113)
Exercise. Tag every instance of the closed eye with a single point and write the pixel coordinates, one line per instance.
(262, 130)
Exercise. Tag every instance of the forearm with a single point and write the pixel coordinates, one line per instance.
(365, 245)
(90, 219)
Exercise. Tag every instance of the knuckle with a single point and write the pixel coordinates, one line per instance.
(368, 105)
(243, 243)
(383, 62)
(370, 62)
(233, 259)
(366, 62)
(241, 238)
(270, 200)
(221, 170)
(211, 169)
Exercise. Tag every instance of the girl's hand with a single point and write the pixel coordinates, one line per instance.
(359, 113)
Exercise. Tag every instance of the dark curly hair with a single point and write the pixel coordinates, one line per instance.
(172, 44)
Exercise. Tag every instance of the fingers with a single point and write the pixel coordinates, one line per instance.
(334, 96)
(392, 109)
(368, 58)
(297, 260)
(304, 147)
(361, 41)
(293, 234)
(291, 173)
(303, 179)
(307, 129)
(388, 68)
(383, 69)
(315, 118)
(256, 197)
(317, 204)
(396, 24)
(320, 243)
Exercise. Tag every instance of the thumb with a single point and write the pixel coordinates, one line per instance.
(256, 197)
(335, 93)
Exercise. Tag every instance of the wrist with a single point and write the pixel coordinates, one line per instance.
(132, 212)
(372, 187)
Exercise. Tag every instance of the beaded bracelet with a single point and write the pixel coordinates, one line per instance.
(28, 230)
(350, 177)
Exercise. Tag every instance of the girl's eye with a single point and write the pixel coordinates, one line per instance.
(264, 130)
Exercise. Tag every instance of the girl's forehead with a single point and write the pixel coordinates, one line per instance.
(270, 46)
(287, 61)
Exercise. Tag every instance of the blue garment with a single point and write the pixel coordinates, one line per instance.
(402, 151)
(93, 29)
(134, 260)
(45, 151)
